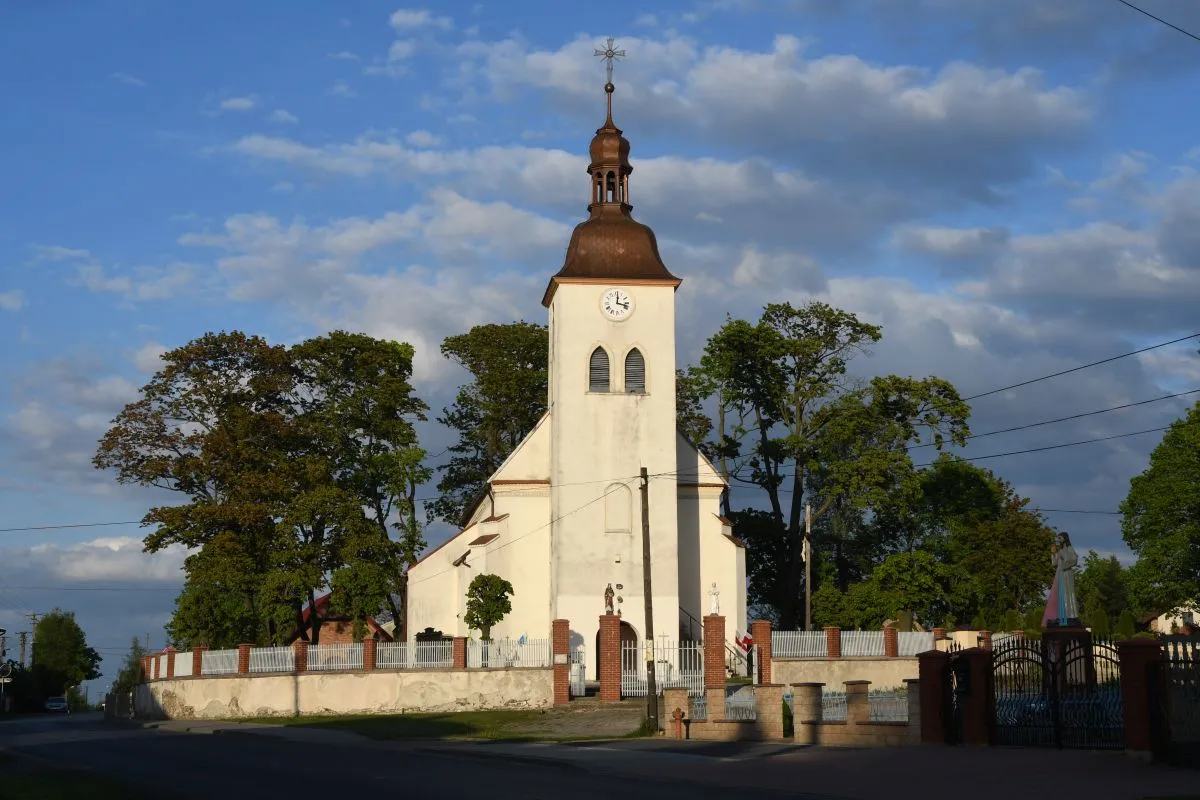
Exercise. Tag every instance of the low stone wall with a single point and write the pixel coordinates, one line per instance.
(857, 730)
(318, 693)
(882, 672)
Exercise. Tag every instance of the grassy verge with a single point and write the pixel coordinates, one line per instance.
(489, 725)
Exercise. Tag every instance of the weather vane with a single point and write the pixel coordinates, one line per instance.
(609, 54)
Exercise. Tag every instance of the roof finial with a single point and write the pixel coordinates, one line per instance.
(609, 54)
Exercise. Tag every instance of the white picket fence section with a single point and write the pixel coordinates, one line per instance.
(335, 656)
(909, 644)
(859, 644)
(740, 705)
(272, 659)
(219, 662)
(798, 644)
(506, 653)
(676, 665)
(415, 655)
(578, 660)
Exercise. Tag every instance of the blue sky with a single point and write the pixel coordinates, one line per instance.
(1008, 188)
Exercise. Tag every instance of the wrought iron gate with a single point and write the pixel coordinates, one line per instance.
(1177, 706)
(1058, 692)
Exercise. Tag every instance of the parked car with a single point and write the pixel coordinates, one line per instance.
(57, 704)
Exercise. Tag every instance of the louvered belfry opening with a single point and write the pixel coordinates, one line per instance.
(598, 380)
(635, 372)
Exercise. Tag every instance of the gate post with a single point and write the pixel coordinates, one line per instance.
(609, 658)
(933, 666)
(1140, 659)
(560, 648)
(760, 632)
(979, 701)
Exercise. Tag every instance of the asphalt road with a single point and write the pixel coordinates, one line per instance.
(184, 765)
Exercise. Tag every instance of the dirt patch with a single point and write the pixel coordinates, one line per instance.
(583, 720)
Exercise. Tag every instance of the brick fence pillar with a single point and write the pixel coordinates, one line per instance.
(460, 653)
(979, 702)
(198, 661)
(300, 656)
(714, 654)
(939, 636)
(891, 642)
(768, 711)
(1140, 685)
(932, 668)
(912, 688)
(243, 664)
(560, 648)
(369, 646)
(170, 662)
(985, 640)
(833, 642)
(760, 631)
(609, 658)
(154, 666)
(858, 709)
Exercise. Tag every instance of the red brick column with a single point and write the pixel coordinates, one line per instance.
(368, 655)
(198, 661)
(979, 703)
(146, 667)
(939, 634)
(1140, 679)
(300, 657)
(154, 666)
(714, 653)
(609, 654)
(560, 647)
(244, 659)
(833, 642)
(760, 631)
(460, 652)
(891, 642)
(932, 669)
(170, 662)
(985, 640)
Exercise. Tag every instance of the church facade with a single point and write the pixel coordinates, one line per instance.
(562, 517)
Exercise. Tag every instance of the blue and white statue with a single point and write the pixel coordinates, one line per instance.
(1062, 607)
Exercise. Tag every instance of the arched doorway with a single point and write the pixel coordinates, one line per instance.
(628, 637)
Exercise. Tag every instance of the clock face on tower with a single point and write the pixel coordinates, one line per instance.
(617, 304)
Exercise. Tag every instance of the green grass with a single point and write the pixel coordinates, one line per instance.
(64, 785)
(490, 725)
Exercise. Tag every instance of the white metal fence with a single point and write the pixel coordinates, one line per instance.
(676, 665)
(909, 644)
(335, 656)
(506, 653)
(415, 655)
(858, 644)
(183, 663)
(219, 662)
(740, 705)
(833, 706)
(798, 644)
(887, 705)
(578, 660)
(272, 659)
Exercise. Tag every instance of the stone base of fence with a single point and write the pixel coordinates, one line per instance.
(857, 730)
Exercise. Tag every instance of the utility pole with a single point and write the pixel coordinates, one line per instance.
(651, 683)
(808, 566)
(22, 638)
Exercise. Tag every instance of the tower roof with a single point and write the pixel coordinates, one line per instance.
(610, 246)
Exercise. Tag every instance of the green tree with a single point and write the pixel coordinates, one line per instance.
(492, 413)
(1100, 589)
(61, 656)
(1161, 520)
(812, 430)
(1126, 625)
(489, 598)
(131, 673)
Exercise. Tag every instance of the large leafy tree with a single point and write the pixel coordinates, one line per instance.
(61, 655)
(489, 599)
(504, 398)
(1101, 590)
(293, 467)
(795, 424)
(1161, 520)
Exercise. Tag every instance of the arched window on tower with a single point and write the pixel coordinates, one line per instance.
(611, 188)
(635, 372)
(598, 371)
(618, 509)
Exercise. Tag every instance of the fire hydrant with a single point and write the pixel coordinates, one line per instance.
(677, 718)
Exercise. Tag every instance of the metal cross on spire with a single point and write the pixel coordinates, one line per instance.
(609, 54)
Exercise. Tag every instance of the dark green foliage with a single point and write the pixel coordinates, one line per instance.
(61, 656)
(131, 673)
(489, 598)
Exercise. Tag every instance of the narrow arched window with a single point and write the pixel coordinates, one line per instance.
(635, 372)
(618, 508)
(598, 371)
(611, 191)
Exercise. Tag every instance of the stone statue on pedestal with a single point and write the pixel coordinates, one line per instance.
(714, 606)
(1062, 606)
(608, 599)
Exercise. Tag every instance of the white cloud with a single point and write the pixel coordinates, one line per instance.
(401, 50)
(12, 300)
(341, 89)
(283, 116)
(405, 19)
(148, 358)
(344, 55)
(423, 139)
(283, 187)
(127, 79)
(239, 103)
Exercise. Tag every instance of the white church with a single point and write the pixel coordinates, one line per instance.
(561, 518)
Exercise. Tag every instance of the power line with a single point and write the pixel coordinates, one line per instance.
(1158, 19)
(98, 588)
(62, 527)
(1050, 446)
(1081, 367)
(1074, 511)
(1066, 419)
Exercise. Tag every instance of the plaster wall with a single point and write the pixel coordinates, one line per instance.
(883, 673)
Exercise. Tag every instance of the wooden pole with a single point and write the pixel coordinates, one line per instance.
(651, 683)
(808, 566)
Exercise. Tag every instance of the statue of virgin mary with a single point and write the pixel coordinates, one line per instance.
(1062, 607)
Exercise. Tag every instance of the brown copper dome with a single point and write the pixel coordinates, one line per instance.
(611, 245)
